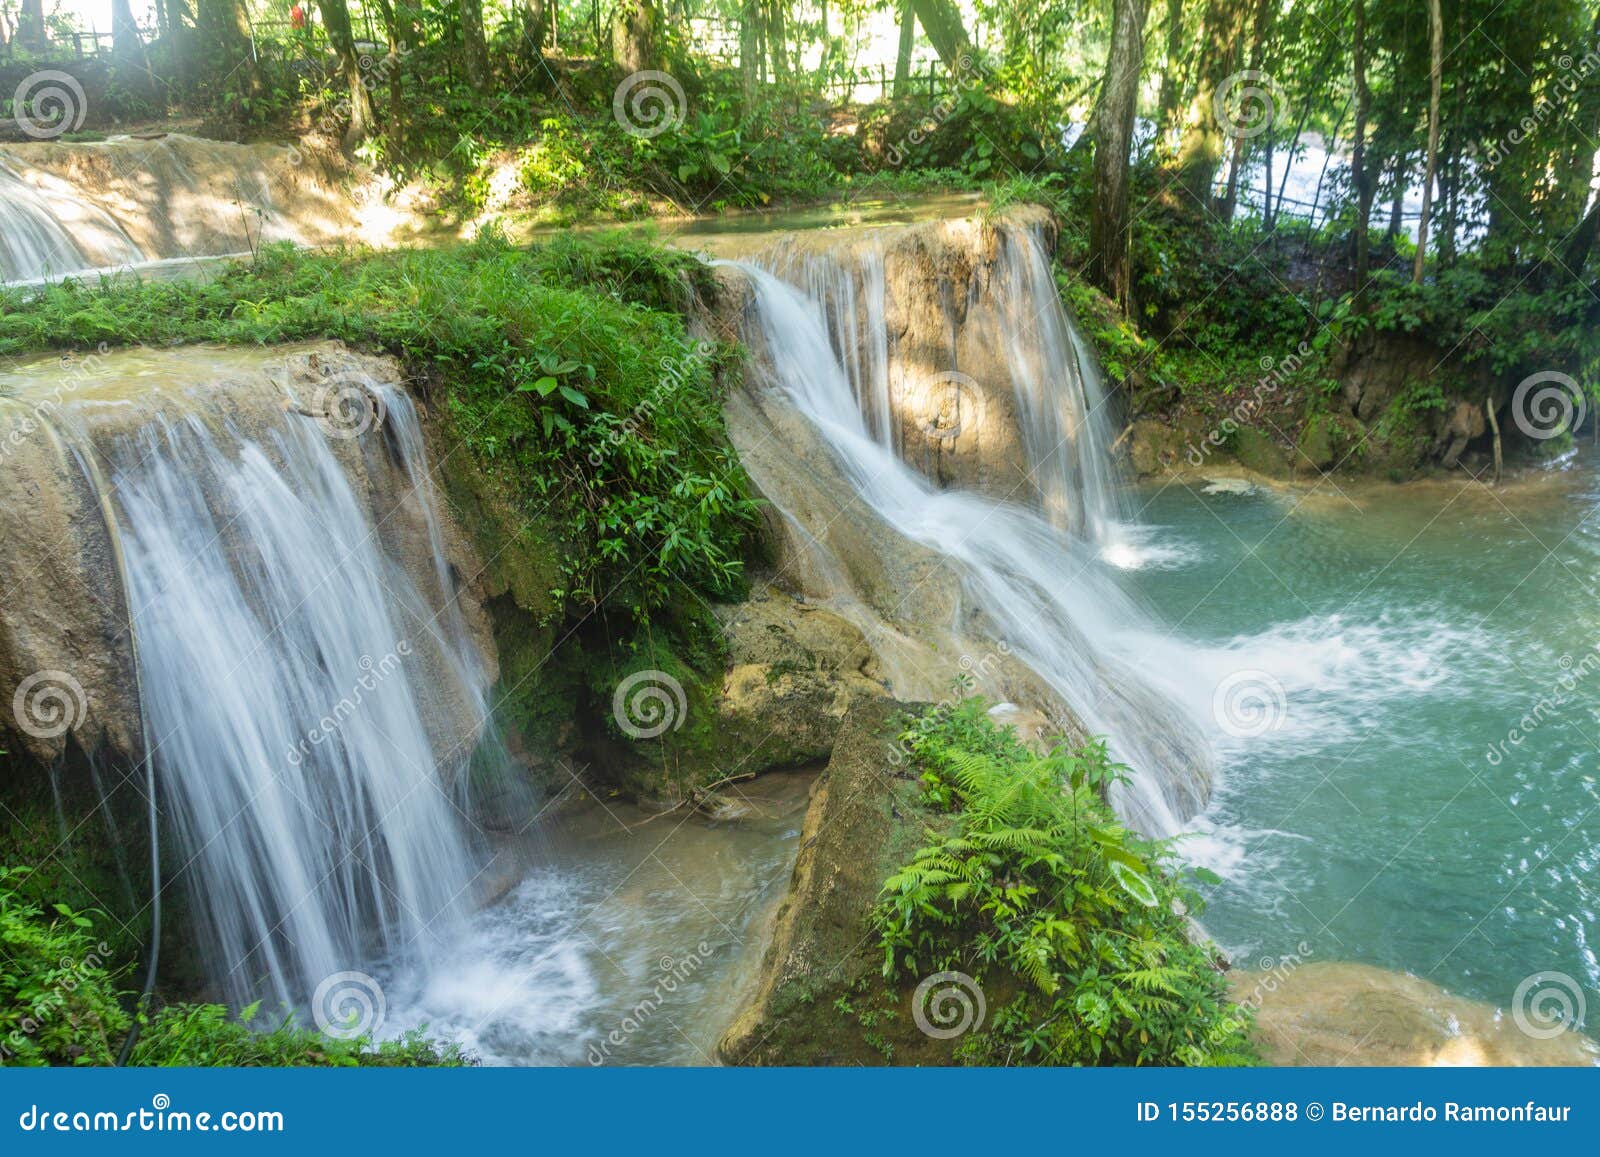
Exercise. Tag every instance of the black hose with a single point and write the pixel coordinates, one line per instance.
(91, 474)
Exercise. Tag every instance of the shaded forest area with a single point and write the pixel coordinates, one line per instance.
(1462, 134)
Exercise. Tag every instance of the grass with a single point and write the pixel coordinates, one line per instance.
(565, 370)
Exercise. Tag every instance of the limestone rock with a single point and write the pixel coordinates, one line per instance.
(855, 833)
(66, 620)
(795, 670)
(1335, 1013)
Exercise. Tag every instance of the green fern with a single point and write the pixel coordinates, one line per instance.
(1039, 891)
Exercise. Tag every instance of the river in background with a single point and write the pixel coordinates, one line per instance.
(1408, 726)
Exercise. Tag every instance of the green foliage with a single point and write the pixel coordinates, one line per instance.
(58, 1003)
(62, 1003)
(1073, 926)
(566, 371)
(208, 1035)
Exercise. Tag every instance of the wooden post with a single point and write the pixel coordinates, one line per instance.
(1494, 424)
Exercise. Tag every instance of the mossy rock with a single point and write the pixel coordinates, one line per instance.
(1326, 441)
(1257, 451)
(821, 999)
(767, 687)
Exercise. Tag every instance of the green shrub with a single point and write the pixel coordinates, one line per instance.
(566, 370)
(61, 1003)
(1073, 926)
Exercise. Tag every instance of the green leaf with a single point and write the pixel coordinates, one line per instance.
(1136, 884)
(576, 398)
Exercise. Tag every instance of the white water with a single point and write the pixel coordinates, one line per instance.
(45, 232)
(283, 656)
(104, 206)
(1036, 577)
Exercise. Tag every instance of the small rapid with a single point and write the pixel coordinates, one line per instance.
(1030, 568)
(307, 685)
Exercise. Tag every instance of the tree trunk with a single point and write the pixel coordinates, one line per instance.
(777, 40)
(336, 19)
(1364, 184)
(1450, 204)
(1397, 202)
(1200, 154)
(30, 26)
(535, 29)
(1582, 241)
(1575, 168)
(750, 48)
(1119, 98)
(1436, 49)
(223, 43)
(636, 37)
(127, 46)
(1262, 22)
(941, 20)
(396, 115)
(908, 41)
(1494, 426)
(474, 46)
(1171, 84)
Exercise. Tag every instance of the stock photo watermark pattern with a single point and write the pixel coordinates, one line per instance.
(1156, 664)
(49, 704)
(1247, 104)
(649, 103)
(49, 104)
(648, 704)
(948, 1005)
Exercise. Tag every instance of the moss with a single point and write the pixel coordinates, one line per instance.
(823, 1000)
(1257, 451)
(83, 831)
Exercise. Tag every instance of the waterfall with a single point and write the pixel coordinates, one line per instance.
(45, 232)
(1032, 573)
(69, 208)
(308, 686)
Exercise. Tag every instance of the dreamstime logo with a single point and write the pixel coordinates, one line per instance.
(1552, 100)
(48, 704)
(675, 372)
(647, 104)
(672, 973)
(1547, 1004)
(29, 416)
(1275, 372)
(1546, 404)
(648, 704)
(955, 403)
(48, 104)
(348, 407)
(43, 1006)
(373, 673)
(372, 71)
(1574, 673)
(1248, 704)
(948, 1004)
(1246, 104)
(1273, 971)
(347, 1005)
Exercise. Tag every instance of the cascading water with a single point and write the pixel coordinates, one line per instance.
(1038, 583)
(290, 667)
(42, 233)
(67, 208)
